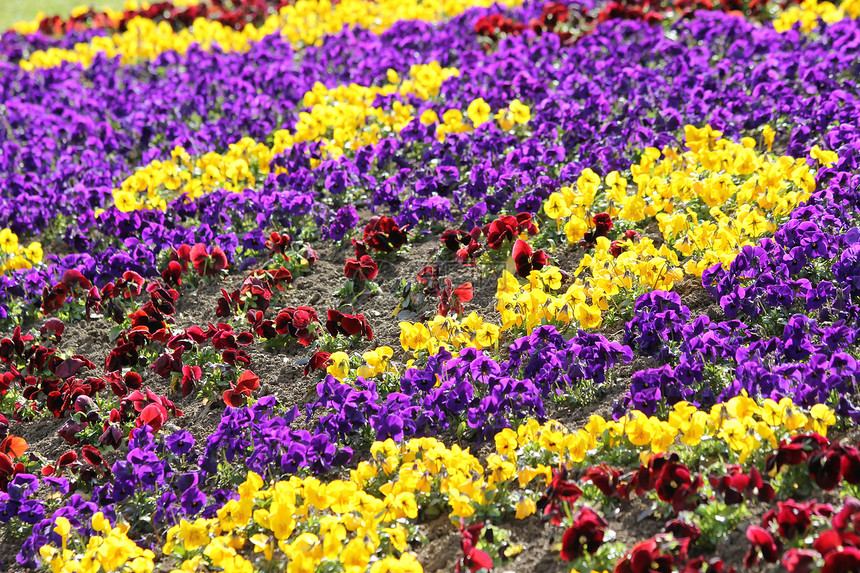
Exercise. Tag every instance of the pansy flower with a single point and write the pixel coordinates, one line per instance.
(207, 263)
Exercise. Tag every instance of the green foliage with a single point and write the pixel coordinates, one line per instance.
(717, 520)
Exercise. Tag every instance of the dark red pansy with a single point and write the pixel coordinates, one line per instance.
(841, 561)
(227, 304)
(645, 557)
(761, 489)
(247, 383)
(66, 460)
(363, 269)
(849, 516)
(6, 381)
(301, 318)
(162, 300)
(428, 275)
(244, 386)
(92, 456)
(465, 292)
(207, 263)
(296, 322)
(133, 380)
(733, 486)
(70, 366)
(319, 361)
(167, 363)
(53, 328)
(280, 277)
(618, 246)
(485, 25)
(347, 324)
(764, 546)
(792, 517)
(191, 375)
(7, 467)
(360, 248)
(827, 542)
(277, 278)
(474, 559)
(262, 327)
(131, 284)
(383, 234)
(676, 485)
(825, 467)
(353, 324)
(605, 478)
(602, 224)
(585, 535)
(702, 565)
(526, 260)
(453, 298)
(54, 298)
(232, 357)
(807, 444)
(182, 254)
(154, 415)
(111, 436)
(554, 13)
(681, 529)
(172, 274)
(196, 334)
(75, 281)
(799, 560)
(472, 248)
(278, 243)
(92, 302)
(233, 399)
(503, 229)
(454, 239)
(526, 224)
(850, 464)
(116, 384)
(559, 490)
(255, 294)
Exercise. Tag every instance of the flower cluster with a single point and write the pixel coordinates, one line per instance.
(15, 255)
(146, 39)
(177, 13)
(808, 14)
(649, 232)
(709, 202)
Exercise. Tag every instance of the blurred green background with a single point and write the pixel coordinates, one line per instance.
(12, 11)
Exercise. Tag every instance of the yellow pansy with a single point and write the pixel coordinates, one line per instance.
(339, 367)
(525, 508)
(478, 112)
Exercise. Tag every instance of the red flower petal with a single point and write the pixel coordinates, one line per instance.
(154, 415)
(464, 292)
(92, 456)
(67, 459)
(14, 446)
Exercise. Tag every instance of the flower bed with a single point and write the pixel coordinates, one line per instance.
(385, 286)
